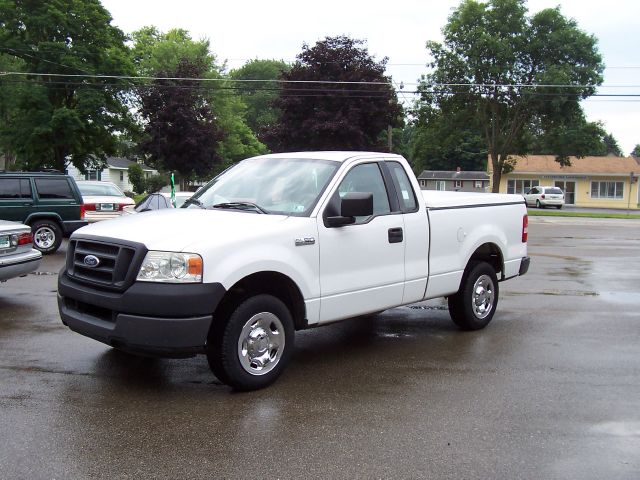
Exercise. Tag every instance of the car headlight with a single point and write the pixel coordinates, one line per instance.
(171, 267)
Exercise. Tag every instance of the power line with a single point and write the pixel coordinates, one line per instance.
(328, 82)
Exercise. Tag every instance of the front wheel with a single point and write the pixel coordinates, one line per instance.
(47, 236)
(250, 349)
(473, 307)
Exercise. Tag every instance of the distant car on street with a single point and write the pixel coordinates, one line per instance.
(542, 197)
(102, 200)
(17, 255)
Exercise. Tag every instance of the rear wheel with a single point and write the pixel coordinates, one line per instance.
(47, 236)
(250, 348)
(473, 307)
(559, 207)
(538, 205)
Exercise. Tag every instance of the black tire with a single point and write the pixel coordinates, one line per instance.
(473, 307)
(559, 207)
(538, 205)
(47, 236)
(251, 347)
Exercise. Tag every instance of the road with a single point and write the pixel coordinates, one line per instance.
(550, 389)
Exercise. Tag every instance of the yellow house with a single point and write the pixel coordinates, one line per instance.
(599, 182)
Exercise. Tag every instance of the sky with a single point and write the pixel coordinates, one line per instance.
(239, 31)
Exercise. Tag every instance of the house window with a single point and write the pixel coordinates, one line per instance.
(457, 184)
(521, 186)
(92, 175)
(440, 185)
(121, 176)
(607, 190)
(423, 183)
(478, 183)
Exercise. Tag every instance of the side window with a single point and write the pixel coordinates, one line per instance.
(15, 188)
(53, 188)
(367, 178)
(408, 202)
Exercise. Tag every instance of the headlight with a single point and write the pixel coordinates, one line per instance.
(171, 267)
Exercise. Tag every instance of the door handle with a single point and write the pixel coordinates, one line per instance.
(395, 235)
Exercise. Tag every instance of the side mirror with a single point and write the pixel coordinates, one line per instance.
(353, 204)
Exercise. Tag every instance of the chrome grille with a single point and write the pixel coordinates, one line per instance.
(103, 264)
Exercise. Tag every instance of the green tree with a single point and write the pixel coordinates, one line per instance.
(611, 145)
(447, 140)
(55, 113)
(136, 177)
(510, 70)
(636, 151)
(157, 53)
(351, 115)
(260, 91)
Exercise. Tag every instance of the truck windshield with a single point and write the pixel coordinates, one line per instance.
(285, 186)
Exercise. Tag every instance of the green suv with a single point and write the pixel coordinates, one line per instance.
(49, 202)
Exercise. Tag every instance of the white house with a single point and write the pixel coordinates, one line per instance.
(115, 172)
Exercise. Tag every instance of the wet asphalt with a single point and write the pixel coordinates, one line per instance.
(549, 390)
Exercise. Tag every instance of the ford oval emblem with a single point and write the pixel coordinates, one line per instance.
(91, 261)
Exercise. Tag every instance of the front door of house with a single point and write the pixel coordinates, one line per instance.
(569, 189)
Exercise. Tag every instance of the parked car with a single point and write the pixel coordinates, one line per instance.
(17, 255)
(545, 197)
(49, 202)
(158, 201)
(102, 200)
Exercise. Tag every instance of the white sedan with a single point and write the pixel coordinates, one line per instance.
(102, 200)
(545, 197)
(17, 255)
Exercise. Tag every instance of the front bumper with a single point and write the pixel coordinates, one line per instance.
(159, 319)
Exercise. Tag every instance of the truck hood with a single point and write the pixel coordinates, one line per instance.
(177, 229)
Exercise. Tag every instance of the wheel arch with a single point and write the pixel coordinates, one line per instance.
(36, 217)
(490, 253)
(272, 283)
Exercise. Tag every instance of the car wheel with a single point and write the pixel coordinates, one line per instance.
(250, 348)
(538, 205)
(473, 307)
(559, 207)
(47, 236)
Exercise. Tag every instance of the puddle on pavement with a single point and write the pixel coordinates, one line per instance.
(627, 298)
(618, 429)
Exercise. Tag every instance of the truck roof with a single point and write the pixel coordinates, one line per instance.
(336, 156)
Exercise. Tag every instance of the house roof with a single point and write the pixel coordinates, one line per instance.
(123, 163)
(452, 175)
(586, 165)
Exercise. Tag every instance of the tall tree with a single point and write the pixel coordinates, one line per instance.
(182, 132)
(611, 145)
(447, 140)
(508, 70)
(349, 115)
(259, 91)
(58, 110)
(636, 151)
(155, 52)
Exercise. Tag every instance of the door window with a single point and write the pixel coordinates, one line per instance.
(15, 188)
(367, 178)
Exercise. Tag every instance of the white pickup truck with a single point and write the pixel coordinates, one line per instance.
(284, 242)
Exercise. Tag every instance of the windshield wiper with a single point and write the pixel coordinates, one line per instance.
(240, 206)
(195, 201)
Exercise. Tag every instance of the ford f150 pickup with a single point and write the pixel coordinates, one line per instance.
(284, 242)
